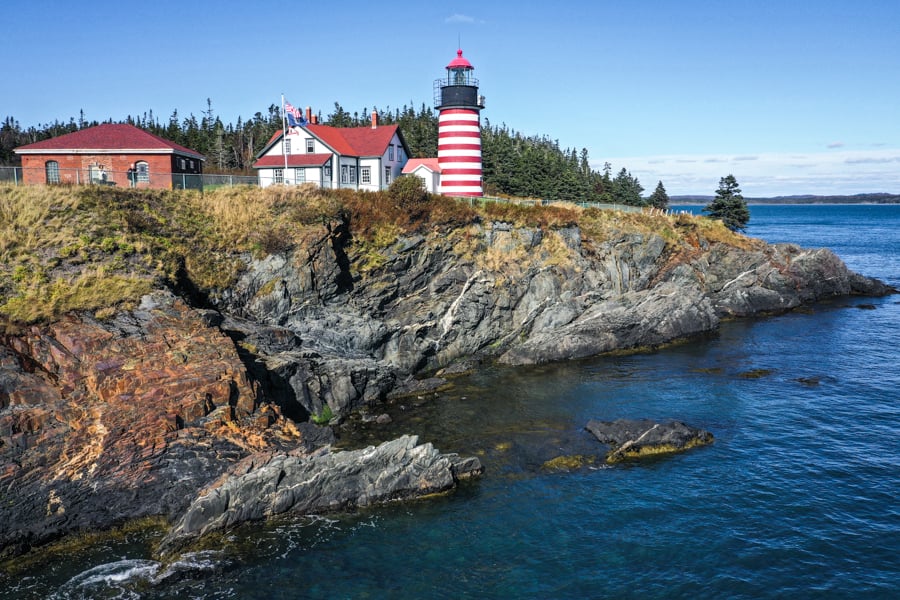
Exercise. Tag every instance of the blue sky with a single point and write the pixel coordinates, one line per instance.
(790, 96)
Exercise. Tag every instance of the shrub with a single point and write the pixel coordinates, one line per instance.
(323, 417)
(408, 191)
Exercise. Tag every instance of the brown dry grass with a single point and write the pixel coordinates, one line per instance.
(713, 231)
(523, 215)
(66, 248)
(600, 225)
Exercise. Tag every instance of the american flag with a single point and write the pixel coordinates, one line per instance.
(294, 115)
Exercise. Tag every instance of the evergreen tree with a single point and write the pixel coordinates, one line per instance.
(659, 198)
(729, 205)
(513, 164)
(340, 117)
(626, 189)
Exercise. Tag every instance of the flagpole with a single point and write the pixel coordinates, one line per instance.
(283, 139)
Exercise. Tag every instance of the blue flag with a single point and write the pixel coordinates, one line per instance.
(294, 115)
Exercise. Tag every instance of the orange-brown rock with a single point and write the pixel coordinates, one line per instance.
(121, 419)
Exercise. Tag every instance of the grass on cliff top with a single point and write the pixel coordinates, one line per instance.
(92, 248)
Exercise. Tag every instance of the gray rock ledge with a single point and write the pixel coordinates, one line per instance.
(268, 484)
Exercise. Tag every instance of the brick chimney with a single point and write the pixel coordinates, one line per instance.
(374, 119)
(309, 115)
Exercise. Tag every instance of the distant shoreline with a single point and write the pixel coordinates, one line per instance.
(880, 198)
(765, 203)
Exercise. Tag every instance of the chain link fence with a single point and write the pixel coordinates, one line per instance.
(481, 200)
(136, 179)
(185, 181)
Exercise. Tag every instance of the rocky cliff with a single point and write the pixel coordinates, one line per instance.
(107, 420)
(514, 294)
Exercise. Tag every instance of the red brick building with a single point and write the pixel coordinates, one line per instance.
(111, 154)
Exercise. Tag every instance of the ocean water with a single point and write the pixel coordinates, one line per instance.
(799, 496)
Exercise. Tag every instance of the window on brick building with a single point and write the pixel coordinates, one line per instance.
(52, 170)
(143, 172)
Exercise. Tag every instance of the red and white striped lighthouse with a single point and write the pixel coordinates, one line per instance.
(459, 129)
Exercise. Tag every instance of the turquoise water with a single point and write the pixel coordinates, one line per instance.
(797, 497)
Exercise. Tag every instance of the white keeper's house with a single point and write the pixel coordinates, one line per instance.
(428, 169)
(360, 158)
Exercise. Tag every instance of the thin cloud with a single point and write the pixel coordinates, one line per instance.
(773, 174)
(742, 158)
(458, 18)
(835, 145)
(872, 161)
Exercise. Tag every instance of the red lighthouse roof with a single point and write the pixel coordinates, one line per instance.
(459, 62)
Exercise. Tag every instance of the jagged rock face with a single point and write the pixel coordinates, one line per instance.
(521, 296)
(100, 422)
(269, 484)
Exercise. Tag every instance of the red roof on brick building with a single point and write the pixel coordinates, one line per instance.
(109, 137)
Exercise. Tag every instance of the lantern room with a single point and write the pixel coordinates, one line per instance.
(459, 88)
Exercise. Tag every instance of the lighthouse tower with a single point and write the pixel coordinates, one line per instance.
(459, 129)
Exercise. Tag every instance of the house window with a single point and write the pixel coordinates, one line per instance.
(345, 174)
(399, 154)
(287, 146)
(143, 172)
(192, 164)
(352, 174)
(365, 175)
(182, 164)
(391, 152)
(277, 175)
(52, 170)
(310, 145)
(300, 175)
(387, 176)
(327, 174)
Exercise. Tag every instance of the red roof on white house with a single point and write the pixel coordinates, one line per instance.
(347, 141)
(293, 160)
(107, 138)
(357, 141)
(429, 163)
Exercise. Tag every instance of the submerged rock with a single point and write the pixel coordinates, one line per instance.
(637, 438)
(265, 485)
(568, 463)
